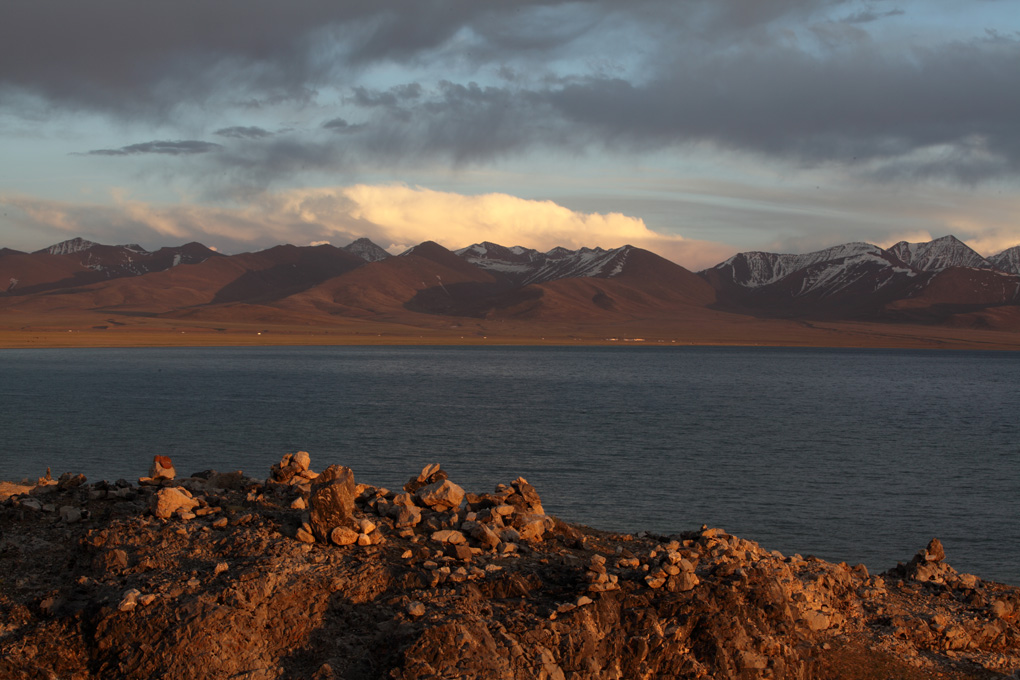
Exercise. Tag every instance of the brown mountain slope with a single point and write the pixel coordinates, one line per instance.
(962, 296)
(655, 274)
(44, 270)
(249, 277)
(425, 281)
(642, 285)
(24, 272)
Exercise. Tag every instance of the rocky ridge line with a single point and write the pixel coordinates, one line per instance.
(311, 575)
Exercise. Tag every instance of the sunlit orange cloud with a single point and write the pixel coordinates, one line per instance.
(909, 237)
(410, 215)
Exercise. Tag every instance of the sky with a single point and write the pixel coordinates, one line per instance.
(694, 128)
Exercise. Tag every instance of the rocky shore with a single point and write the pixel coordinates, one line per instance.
(312, 575)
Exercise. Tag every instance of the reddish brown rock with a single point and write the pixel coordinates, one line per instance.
(441, 496)
(165, 502)
(162, 468)
(331, 501)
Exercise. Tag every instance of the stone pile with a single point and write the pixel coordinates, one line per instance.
(431, 507)
(183, 577)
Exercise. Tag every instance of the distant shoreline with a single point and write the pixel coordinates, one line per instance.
(820, 335)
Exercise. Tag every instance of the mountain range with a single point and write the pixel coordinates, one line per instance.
(488, 287)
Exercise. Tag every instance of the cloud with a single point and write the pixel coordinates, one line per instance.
(171, 148)
(801, 82)
(411, 215)
(341, 125)
(866, 16)
(909, 237)
(241, 132)
(390, 215)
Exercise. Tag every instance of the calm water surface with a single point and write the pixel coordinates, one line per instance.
(850, 455)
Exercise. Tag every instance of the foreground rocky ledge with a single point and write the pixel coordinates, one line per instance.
(308, 575)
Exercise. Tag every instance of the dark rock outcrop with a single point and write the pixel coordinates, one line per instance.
(242, 584)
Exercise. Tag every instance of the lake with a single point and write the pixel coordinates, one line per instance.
(850, 455)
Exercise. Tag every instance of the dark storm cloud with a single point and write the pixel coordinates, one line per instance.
(799, 81)
(172, 148)
(365, 97)
(146, 58)
(945, 111)
(866, 16)
(338, 125)
(242, 132)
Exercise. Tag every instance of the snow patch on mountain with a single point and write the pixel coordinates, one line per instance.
(939, 254)
(525, 266)
(757, 269)
(1008, 260)
(366, 250)
(74, 245)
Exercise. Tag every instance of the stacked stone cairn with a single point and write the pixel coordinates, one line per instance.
(341, 512)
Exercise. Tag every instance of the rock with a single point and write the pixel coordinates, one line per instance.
(289, 467)
(344, 536)
(816, 620)
(485, 536)
(935, 552)
(70, 514)
(752, 661)
(69, 481)
(458, 551)
(429, 474)
(162, 468)
(1000, 609)
(129, 601)
(407, 517)
(44, 489)
(448, 536)
(110, 562)
(440, 496)
(168, 500)
(531, 528)
(332, 501)
(298, 504)
(686, 581)
(585, 605)
(302, 460)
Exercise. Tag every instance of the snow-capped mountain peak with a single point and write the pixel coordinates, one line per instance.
(524, 266)
(73, 245)
(366, 250)
(756, 269)
(1008, 260)
(939, 254)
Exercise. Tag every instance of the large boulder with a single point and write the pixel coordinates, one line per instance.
(169, 500)
(332, 501)
(440, 496)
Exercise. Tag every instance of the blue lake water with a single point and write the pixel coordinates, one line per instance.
(855, 455)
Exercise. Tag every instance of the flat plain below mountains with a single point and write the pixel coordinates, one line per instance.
(939, 294)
